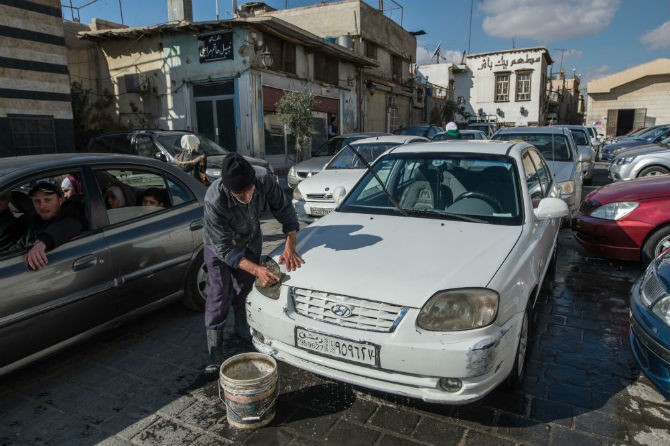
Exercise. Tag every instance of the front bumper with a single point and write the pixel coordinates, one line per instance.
(410, 360)
(619, 172)
(609, 238)
(310, 211)
(649, 343)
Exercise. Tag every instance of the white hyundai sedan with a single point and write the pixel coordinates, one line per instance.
(313, 197)
(422, 281)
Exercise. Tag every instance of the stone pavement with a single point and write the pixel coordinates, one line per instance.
(140, 384)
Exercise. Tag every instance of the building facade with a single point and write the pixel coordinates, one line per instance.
(565, 101)
(35, 100)
(224, 78)
(633, 98)
(389, 96)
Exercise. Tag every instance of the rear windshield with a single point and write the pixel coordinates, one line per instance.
(553, 147)
(580, 137)
(347, 159)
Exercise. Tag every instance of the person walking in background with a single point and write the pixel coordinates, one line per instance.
(233, 241)
(452, 131)
(332, 127)
(191, 160)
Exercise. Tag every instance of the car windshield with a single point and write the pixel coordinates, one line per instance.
(652, 134)
(470, 187)
(330, 147)
(172, 143)
(554, 147)
(347, 159)
(580, 137)
(418, 131)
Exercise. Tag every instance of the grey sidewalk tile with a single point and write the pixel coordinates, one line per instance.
(394, 440)
(474, 415)
(476, 438)
(310, 423)
(552, 412)
(113, 441)
(347, 434)
(165, 432)
(78, 435)
(561, 437)
(360, 411)
(127, 423)
(601, 424)
(437, 432)
(177, 405)
(202, 415)
(224, 430)
(523, 429)
(269, 436)
(395, 420)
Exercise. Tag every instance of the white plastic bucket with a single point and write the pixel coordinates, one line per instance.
(250, 389)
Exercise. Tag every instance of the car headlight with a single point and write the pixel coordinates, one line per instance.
(273, 290)
(566, 187)
(457, 310)
(615, 211)
(624, 160)
(213, 172)
(297, 195)
(662, 309)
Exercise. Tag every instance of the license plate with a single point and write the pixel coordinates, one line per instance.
(320, 212)
(350, 351)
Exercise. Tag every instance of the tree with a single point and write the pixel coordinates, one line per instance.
(295, 112)
(449, 110)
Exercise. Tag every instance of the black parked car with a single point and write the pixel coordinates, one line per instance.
(425, 130)
(164, 145)
(128, 261)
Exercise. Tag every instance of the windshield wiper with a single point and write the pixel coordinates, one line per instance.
(443, 214)
(379, 180)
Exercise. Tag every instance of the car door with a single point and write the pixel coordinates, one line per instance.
(152, 247)
(71, 295)
(540, 185)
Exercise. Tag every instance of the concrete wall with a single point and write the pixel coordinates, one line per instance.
(650, 92)
(34, 77)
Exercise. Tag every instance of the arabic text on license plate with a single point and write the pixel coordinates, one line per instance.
(320, 211)
(359, 352)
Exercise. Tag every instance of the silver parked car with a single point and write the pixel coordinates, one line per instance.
(585, 148)
(322, 155)
(559, 149)
(128, 260)
(649, 160)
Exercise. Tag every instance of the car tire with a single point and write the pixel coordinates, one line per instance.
(653, 171)
(516, 376)
(656, 243)
(195, 290)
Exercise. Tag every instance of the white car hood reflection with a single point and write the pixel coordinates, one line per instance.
(327, 180)
(399, 260)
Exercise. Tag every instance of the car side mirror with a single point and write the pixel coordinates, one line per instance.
(551, 207)
(160, 156)
(584, 155)
(338, 195)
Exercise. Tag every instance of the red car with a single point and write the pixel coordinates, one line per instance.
(629, 220)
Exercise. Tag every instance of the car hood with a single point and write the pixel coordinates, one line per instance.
(314, 164)
(327, 180)
(399, 260)
(643, 150)
(563, 170)
(625, 144)
(633, 190)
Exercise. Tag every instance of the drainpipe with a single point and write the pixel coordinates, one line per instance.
(361, 88)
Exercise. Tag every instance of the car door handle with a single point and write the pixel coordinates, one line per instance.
(84, 262)
(196, 224)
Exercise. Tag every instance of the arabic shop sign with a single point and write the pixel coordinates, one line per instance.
(505, 63)
(216, 47)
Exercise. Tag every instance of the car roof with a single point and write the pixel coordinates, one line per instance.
(545, 129)
(400, 139)
(455, 145)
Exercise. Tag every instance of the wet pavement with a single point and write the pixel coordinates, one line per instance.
(141, 384)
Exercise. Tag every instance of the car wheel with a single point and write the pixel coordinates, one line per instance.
(195, 291)
(515, 378)
(656, 243)
(652, 171)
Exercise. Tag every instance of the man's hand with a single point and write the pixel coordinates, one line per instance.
(36, 258)
(290, 256)
(265, 276)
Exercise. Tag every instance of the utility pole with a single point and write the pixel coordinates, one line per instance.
(562, 50)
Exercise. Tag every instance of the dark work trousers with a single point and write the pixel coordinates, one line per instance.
(226, 286)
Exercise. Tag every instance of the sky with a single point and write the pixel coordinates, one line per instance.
(594, 38)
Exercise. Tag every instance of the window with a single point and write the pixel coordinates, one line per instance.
(523, 86)
(132, 83)
(124, 191)
(326, 69)
(145, 146)
(502, 88)
(283, 54)
(33, 134)
(370, 49)
(396, 68)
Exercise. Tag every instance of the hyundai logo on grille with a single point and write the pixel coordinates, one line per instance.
(341, 310)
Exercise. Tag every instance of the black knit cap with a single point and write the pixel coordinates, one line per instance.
(46, 188)
(236, 172)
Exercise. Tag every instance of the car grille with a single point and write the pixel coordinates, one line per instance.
(362, 314)
(323, 197)
(652, 288)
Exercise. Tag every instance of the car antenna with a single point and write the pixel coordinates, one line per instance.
(379, 180)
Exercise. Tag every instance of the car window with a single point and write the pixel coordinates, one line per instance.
(580, 137)
(19, 222)
(553, 146)
(112, 144)
(538, 176)
(127, 193)
(330, 147)
(145, 146)
(172, 143)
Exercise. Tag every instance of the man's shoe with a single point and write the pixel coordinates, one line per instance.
(211, 369)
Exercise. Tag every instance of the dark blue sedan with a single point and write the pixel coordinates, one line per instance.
(650, 322)
(649, 136)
